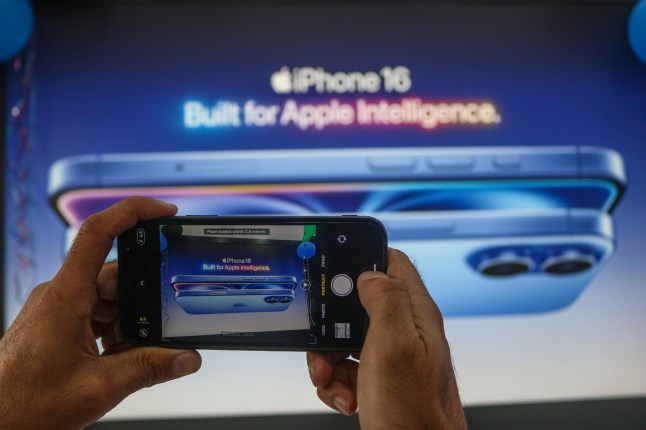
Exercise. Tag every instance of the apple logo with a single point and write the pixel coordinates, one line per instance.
(281, 81)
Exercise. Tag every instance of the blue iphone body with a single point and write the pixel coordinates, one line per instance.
(331, 166)
(488, 200)
(204, 294)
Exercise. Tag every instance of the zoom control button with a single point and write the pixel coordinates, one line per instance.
(141, 237)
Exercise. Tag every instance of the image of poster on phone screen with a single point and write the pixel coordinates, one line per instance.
(255, 286)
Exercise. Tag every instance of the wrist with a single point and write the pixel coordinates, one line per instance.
(430, 411)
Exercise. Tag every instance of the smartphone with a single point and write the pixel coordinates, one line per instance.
(248, 282)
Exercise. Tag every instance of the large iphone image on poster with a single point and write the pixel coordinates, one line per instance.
(427, 187)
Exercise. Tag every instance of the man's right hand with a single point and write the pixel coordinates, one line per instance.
(405, 376)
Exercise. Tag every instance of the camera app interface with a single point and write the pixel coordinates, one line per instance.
(277, 285)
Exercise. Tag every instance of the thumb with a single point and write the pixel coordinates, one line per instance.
(140, 368)
(388, 304)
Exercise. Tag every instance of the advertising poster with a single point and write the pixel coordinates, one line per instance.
(501, 145)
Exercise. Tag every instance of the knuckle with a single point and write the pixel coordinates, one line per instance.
(38, 291)
(388, 287)
(92, 224)
(399, 352)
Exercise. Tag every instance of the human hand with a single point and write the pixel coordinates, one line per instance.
(51, 372)
(405, 377)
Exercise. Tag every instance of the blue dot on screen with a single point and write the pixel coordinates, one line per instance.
(306, 250)
(163, 242)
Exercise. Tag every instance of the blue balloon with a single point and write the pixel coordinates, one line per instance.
(637, 30)
(16, 23)
(306, 250)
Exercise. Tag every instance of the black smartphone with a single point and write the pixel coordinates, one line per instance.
(248, 282)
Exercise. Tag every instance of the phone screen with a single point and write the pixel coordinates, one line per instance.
(248, 284)
(367, 198)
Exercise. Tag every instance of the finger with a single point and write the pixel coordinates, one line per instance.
(341, 393)
(117, 348)
(108, 281)
(321, 365)
(97, 233)
(401, 267)
(425, 311)
(106, 311)
(139, 368)
(112, 336)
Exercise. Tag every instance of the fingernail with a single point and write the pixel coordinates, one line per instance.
(185, 364)
(341, 405)
(372, 275)
(172, 205)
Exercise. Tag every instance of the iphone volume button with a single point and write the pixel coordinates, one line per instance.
(451, 163)
(392, 164)
(508, 162)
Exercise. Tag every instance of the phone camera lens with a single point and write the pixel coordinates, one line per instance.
(286, 300)
(507, 264)
(271, 300)
(568, 262)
